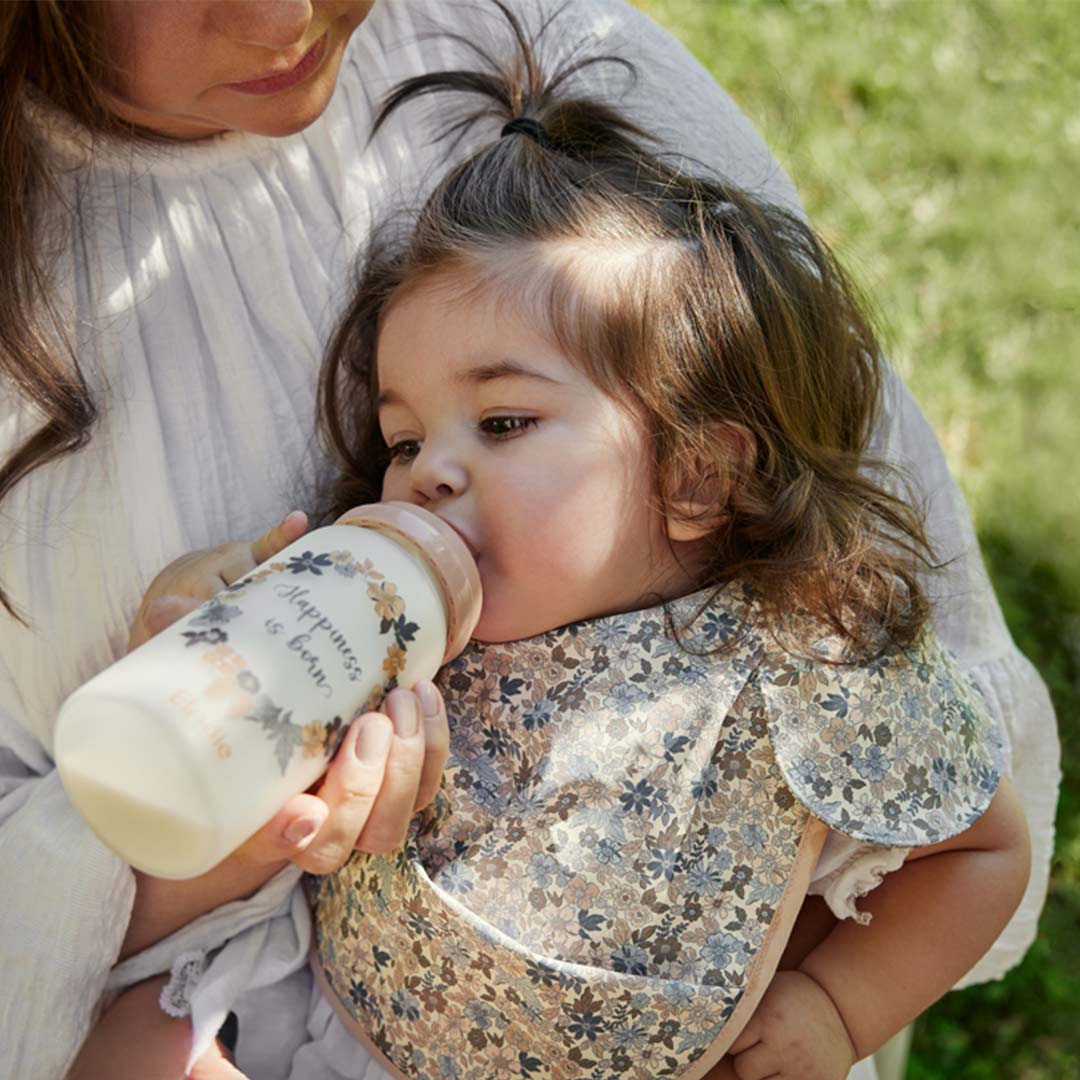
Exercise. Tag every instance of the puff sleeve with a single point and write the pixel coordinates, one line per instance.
(899, 752)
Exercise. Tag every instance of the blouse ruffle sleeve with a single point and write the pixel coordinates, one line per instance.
(849, 869)
(898, 752)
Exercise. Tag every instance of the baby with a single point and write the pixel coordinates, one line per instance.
(703, 682)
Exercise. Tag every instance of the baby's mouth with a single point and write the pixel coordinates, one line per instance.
(465, 540)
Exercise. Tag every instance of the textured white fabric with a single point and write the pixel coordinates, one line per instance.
(846, 871)
(199, 284)
(263, 976)
(187, 970)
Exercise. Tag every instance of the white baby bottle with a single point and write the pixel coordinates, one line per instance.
(180, 751)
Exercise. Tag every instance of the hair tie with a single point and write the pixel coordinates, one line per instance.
(526, 125)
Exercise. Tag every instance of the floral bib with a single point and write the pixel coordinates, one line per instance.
(627, 829)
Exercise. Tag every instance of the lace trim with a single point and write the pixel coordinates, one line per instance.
(858, 876)
(187, 970)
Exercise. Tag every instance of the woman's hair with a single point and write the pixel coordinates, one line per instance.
(51, 49)
(722, 322)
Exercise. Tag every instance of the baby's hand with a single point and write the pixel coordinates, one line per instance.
(193, 579)
(795, 1033)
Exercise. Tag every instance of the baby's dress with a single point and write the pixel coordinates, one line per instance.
(628, 826)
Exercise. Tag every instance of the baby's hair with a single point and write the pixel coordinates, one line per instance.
(722, 322)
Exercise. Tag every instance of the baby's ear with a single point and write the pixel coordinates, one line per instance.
(699, 498)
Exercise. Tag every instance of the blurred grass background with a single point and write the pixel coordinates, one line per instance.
(936, 145)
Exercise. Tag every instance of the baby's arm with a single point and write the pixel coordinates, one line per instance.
(932, 920)
(135, 1040)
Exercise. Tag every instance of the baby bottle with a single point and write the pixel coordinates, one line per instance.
(180, 751)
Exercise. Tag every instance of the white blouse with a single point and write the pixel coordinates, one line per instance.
(199, 283)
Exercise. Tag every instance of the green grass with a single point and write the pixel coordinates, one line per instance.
(936, 145)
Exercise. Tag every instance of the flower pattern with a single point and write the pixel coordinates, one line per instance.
(239, 687)
(590, 894)
(388, 605)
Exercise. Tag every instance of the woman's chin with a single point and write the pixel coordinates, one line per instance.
(278, 116)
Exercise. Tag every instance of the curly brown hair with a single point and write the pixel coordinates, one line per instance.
(724, 323)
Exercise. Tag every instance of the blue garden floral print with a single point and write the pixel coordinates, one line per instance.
(622, 821)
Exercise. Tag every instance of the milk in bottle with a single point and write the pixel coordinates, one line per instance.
(181, 750)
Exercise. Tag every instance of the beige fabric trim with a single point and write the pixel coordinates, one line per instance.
(765, 963)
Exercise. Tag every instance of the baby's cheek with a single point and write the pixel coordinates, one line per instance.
(392, 485)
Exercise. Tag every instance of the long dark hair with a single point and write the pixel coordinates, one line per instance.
(51, 49)
(723, 322)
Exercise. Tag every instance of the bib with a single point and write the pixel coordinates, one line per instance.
(627, 828)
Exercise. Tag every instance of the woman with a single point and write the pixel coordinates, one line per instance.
(192, 259)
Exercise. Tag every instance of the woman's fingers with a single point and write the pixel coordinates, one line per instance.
(157, 614)
(290, 528)
(388, 822)
(318, 831)
(436, 742)
(383, 770)
(163, 611)
(286, 836)
(193, 578)
(350, 791)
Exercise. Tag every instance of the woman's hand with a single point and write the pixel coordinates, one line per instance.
(192, 579)
(388, 766)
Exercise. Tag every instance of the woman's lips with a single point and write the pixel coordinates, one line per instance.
(285, 80)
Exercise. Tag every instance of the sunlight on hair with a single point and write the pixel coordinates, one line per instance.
(569, 288)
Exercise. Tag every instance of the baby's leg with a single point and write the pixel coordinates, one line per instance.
(135, 1040)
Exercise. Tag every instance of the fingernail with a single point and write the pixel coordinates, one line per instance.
(302, 829)
(402, 710)
(372, 741)
(429, 697)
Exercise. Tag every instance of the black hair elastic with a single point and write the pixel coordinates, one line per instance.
(526, 125)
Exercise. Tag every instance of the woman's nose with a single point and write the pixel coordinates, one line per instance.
(273, 24)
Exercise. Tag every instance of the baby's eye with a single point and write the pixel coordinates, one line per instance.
(505, 427)
(406, 450)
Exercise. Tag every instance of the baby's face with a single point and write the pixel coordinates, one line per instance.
(546, 478)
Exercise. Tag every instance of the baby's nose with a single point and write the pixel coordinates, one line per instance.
(438, 475)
